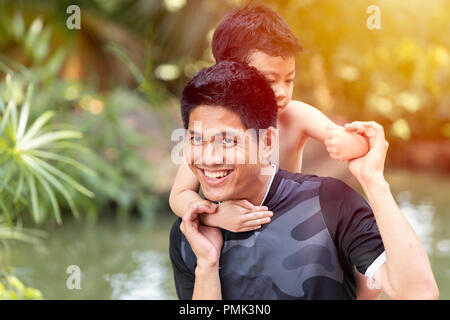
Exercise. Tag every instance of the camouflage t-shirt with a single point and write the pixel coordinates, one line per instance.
(320, 230)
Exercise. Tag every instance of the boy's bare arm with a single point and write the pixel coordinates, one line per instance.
(184, 191)
(233, 215)
(341, 144)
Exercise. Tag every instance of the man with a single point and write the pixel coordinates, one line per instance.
(320, 230)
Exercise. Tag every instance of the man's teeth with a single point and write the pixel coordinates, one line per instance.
(216, 175)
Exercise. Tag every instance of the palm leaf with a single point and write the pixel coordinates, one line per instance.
(34, 200)
(53, 181)
(46, 138)
(24, 113)
(54, 156)
(37, 124)
(52, 198)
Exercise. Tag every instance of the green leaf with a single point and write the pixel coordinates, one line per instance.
(125, 58)
(20, 185)
(5, 119)
(7, 176)
(54, 156)
(55, 62)
(41, 48)
(73, 146)
(32, 34)
(18, 27)
(52, 180)
(34, 200)
(2, 105)
(6, 212)
(13, 109)
(49, 137)
(37, 125)
(63, 176)
(26, 235)
(25, 112)
(52, 197)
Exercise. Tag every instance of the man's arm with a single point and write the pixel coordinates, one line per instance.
(207, 282)
(341, 144)
(206, 242)
(407, 273)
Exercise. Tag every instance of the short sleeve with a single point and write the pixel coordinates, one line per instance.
(351, 223)
(183, 276)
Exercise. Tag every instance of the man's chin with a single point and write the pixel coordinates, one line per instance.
(213, 194)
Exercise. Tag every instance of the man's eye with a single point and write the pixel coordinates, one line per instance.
(196, 140)
(229, 142)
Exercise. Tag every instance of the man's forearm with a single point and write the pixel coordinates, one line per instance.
(207, 282)
(407, 265)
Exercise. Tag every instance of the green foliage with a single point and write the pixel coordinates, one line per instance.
(11, 288)
(27, 157)
(107, 161)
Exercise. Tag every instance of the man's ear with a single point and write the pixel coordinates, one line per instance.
(269, 144)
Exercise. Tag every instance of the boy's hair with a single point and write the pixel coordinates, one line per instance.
(248, 29)
(238, 87)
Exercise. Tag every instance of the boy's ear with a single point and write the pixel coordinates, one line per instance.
(269, 141)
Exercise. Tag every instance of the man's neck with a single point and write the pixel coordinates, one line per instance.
(262, 185)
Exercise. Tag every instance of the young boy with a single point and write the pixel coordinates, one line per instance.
(259, 37)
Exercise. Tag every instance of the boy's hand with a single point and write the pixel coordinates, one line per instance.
(203, 206)
(344, 145)
(238, 216)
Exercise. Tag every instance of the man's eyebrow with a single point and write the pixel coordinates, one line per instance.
(194, 133)
(232, 132)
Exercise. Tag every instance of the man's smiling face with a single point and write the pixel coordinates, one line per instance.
(221, 153)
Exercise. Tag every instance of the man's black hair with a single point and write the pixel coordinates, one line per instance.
(248, 29)
(238, 87)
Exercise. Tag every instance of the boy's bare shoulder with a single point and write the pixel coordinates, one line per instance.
(298, 110)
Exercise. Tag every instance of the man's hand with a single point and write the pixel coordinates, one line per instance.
(206, 242)
(370, 166)
(238, 216)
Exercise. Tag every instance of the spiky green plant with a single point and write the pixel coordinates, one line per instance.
(28, 157)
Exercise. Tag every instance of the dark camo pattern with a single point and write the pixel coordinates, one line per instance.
(292, 257)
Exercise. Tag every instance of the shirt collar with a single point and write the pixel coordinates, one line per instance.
(275, 170)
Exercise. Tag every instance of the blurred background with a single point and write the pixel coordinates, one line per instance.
(87, 115)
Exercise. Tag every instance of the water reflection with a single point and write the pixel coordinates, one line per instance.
(145, 282)
(420, 217)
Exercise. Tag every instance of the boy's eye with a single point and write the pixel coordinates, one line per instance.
(290, 81)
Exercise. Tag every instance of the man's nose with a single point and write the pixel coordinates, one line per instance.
(213, 153)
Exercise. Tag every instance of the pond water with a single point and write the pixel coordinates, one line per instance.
(130, 261)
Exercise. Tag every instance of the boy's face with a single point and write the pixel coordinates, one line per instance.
(279, 72)
(220, 162)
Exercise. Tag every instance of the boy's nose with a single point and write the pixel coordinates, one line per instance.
(280, 93)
